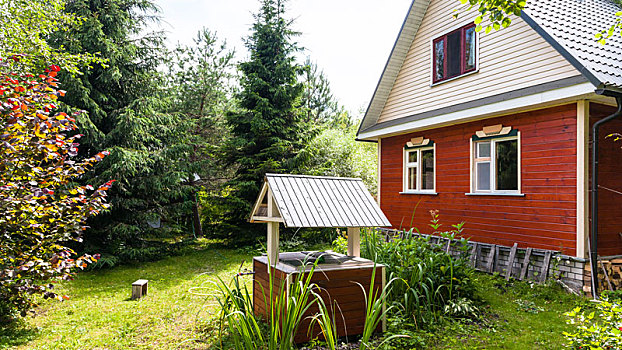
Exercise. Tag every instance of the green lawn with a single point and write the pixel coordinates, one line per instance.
(100, 315)
(518, 315)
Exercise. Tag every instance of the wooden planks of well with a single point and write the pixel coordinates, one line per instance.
(336, 282)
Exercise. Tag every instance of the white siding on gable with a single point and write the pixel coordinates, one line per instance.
(510, 59)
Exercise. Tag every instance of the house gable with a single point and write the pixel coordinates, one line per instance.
(511, 59)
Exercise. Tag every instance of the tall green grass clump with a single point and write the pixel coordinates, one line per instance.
(430, 284)
(247, 331)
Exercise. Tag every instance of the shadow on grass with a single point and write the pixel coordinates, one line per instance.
(194, 261)
(17, 333)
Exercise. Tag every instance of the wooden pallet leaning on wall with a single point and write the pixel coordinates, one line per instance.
(485, 257)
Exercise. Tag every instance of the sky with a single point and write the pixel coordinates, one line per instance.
(350, 40)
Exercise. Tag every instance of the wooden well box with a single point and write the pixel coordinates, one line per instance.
(336, 278)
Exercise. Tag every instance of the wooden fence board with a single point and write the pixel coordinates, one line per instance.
(525, 267)
(545, 267)
(491, 258)
(508, 273)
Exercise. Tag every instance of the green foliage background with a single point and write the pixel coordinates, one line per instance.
(189, 139)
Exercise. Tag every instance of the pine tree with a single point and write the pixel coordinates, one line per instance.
(320, 105)
(199, 86)
(266, 133)
(124, 101)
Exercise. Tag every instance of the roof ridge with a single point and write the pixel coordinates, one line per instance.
(315, 177)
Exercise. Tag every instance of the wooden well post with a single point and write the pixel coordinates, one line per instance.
(273, 232)
(354, 241)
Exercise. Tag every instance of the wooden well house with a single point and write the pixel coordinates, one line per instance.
(298, 201)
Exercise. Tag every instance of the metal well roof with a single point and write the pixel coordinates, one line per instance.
(319, 201)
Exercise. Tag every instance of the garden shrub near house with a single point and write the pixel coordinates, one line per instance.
(599, 329)
(430, 283)
(41, 209)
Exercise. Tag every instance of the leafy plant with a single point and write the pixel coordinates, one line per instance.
(375, 311)
(327, 321)
(236, 304)
(41, 207)
(498, 12)
(284, 316)
(427, 276)
(462, 308)
(603, 35)
(527, 306)
(26, 26)
(602, 331)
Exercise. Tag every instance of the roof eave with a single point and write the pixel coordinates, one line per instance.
(390, 61)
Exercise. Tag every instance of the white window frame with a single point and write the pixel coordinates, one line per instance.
(418, 165)
(493, 167)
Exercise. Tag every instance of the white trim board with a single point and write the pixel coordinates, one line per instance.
(583, 199)
(543, 99)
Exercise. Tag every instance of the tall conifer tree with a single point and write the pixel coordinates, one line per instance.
(266, 133)
(200, 89)
(124, 100)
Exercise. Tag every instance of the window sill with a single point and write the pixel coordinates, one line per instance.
(495, 194)
(454, 78)
(429, 193)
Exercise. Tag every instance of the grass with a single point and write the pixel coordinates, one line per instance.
(517, 315)
(100, 315)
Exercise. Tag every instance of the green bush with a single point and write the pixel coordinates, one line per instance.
(596, 331)
(430, 283)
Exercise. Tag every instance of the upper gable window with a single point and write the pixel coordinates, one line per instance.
(454, 54)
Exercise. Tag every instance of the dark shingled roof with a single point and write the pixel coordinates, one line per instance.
(570, 26)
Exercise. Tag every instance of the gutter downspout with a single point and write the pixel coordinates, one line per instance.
(594, 189)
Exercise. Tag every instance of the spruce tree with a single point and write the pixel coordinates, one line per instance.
(266, 132)
(124, 100)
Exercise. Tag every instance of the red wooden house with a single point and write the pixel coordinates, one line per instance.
(494, 129)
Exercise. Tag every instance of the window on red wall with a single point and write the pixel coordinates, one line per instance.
(454, 54)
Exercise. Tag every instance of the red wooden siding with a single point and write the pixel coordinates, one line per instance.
(610, 176)
(544, 218)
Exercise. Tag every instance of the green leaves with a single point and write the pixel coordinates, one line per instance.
(603, 35)
(25, 27)
(596, 332)
(495, 14)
